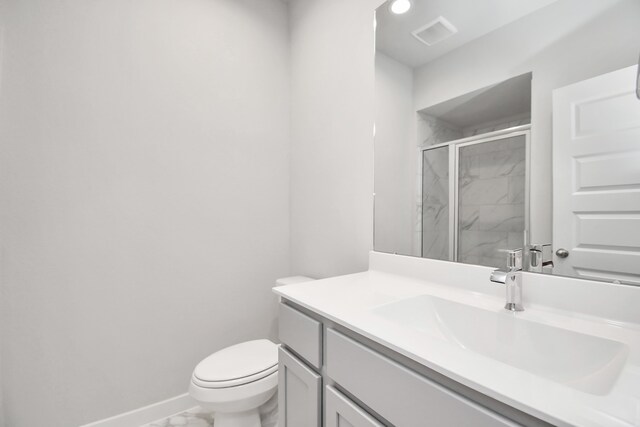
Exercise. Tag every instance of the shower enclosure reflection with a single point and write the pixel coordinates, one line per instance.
(472, 189)
(481, 213)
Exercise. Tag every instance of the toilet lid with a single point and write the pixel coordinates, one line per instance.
(247, 360)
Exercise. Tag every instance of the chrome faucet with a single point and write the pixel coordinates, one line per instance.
(512, 279)
(540, 258)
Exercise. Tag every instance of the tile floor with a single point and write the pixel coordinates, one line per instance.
(195, 417)
(198, 417)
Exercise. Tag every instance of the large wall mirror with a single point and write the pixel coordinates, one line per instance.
(507, 124)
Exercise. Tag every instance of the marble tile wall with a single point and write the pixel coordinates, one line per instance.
(433, 242)
(519, 120)
(432, 130)
(491, 189)
(491, 200)
(435, 203)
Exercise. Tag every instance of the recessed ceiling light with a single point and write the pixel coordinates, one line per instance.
(400, 6)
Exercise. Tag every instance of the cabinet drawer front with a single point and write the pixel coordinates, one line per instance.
(401, 396)
(299, 393)
(301, 333)
(341, 412)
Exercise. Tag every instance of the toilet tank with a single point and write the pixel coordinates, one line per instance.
(293, 280)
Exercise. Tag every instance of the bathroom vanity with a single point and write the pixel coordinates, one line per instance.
(424, 342)
(471, 171)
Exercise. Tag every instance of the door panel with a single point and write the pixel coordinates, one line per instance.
(596, 178)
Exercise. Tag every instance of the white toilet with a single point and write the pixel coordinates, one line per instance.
(236, 381)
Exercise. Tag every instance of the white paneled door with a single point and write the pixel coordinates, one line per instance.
(596, 178)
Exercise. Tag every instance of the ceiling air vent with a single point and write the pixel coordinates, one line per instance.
(435, 31)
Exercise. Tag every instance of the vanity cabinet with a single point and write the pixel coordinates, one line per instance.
(299, 392)
(368, 385)
(339, 411)
(302, 334)
(299, 362)
(401, 396)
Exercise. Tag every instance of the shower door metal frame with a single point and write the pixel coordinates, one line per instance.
(454, 158)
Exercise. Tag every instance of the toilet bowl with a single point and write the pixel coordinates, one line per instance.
(236, 381)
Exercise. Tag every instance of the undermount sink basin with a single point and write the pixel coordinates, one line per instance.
(584, 362)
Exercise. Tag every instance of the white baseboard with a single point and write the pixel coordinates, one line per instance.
(148, 414)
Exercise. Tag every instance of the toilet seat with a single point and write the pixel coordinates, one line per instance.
(236, 381)
(237, 365)
(232, 394)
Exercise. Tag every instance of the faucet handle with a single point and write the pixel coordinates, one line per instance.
(541, 257)
(514, 259)
(540, 247)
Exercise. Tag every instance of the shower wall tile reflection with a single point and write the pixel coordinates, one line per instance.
(435, 203)
(491, 200)
(432, 131)
(433, 241)
(518, 120)
(485, 161)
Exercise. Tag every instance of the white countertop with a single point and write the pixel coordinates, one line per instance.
(349, 301)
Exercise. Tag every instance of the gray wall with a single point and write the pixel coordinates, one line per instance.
(395, 154)
(332, 57)
(144, 195)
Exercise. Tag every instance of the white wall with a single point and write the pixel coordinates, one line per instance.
(569, 41)
(332, 57)
(2, 295)
(395, 154)
(144, 185)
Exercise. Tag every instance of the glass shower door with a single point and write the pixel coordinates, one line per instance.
(491, 199)
(435, 203)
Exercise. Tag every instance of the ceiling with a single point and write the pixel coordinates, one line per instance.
(472, 18)
(509, 98)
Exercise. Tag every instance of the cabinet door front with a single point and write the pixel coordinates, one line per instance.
(302, 334)
(299, 392)
(341, 412)
(401, 396)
